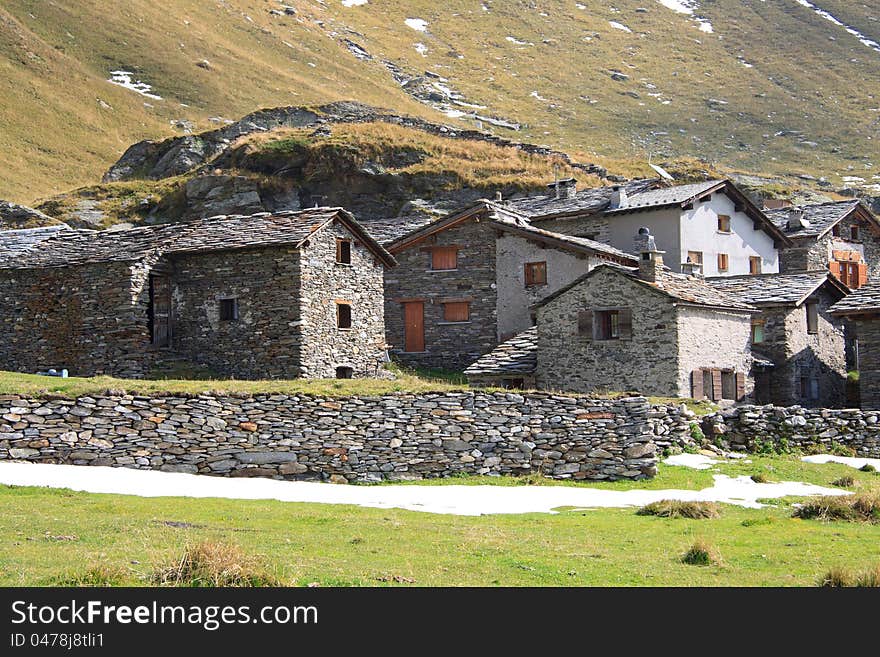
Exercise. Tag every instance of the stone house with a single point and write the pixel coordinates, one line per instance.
(625, 329)
(291, 294)
(862, 310)
(796, 333)
(466, 282)
(711, 223)
(842, 237)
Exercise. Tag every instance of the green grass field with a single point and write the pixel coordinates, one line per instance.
(50, 537)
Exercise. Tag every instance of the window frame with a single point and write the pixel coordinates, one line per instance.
(758, 324)
(724, 219)
(464, 302)
(756, 264)
(340, 315)
(341, 243)
(725, 258)
(699, 255)
(529, 269)
(434, 250)
(854, 233)
(230, 303)
(812, 316)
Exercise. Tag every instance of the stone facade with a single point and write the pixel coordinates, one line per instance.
(448, 345)
(810, 253)
(394, 437)
(867, 332)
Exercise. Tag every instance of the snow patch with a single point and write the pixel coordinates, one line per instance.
(687, 8)
(852, 461)
(455, 500)
(124, 79)
(865, 41)
(422, 49)
(619, 26)
(353, 3)
(518, 42)
(695, 461)
(417, 24)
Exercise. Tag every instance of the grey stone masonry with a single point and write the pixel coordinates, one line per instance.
(397, 436)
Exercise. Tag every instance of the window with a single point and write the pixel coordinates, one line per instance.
(228, 310)
(444, 258)
(535, 273)
(608, 325)
(728, 384)
(722, 262)
(344, 372)
(723, 223)
(695, 257)
(343, 315)
(755, 264)
(613, 324)
(854, 232)
(717, 384)
(836, 230)
(343, 252)
(757, 331)
(812, 317)
(809, 387)
(457, 311)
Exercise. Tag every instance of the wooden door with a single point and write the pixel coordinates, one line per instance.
(160, 309)
(414, 326)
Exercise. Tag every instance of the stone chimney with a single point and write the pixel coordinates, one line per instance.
(498, 197)
(650, 258)
(618, 197)
(776, 203)
(796, 220)
(564, 189)
(694, 269)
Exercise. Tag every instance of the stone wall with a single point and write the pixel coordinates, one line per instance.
(90, 319)
(867, 330)
(447, 345)
(398, 436)
(809, 429)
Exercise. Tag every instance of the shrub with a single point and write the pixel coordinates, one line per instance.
(760, 478)
(214, 564)
(696, 432)
(751, 522)
(841, 577)
(858, 508)
(841, 450)
(678, 509)
(701, 553)
(844, 482)
(868, 468)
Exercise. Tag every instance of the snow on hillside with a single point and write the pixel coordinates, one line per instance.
(124, 79)
(870, 43)
(417, 24)
(687, 7)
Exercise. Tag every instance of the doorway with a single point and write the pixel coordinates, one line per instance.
(160, 310)
(414, 326)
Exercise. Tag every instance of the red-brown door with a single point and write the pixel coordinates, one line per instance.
(414, 326)
(160, 309)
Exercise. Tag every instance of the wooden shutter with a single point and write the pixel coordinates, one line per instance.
(863, 274)
(697, 384)
(834, 268)
(624, 323)
(456, 311)
(535, 273)
(740, 386)
(414, 326)
(585, 324)
(716, 385)
(444, 257)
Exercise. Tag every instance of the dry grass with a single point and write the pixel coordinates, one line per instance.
(856, 508)
(844, 482)
(97, 575)
(702, 553)
(212, 563)
(678, 509)
(839, 577)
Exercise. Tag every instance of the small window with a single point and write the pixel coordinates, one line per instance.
(608, 325)
(695, 257)
(723, 223)
(812, 317)
(728, 384)
(444, 258)
(228, 310)
(722, 262)
(343, 252)
(535, 273)
(344, 372)
(457, 311)
(755, 265)
(343, 315)
(854, 232)
(757, 331)
(836, 230)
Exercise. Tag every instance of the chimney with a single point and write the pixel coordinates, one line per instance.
(796, 220)
(618, 197)
(776, 203)
(650, 258)
(693, 269)
(498, 197)
(565, 189)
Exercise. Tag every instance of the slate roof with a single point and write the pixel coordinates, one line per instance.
(587, 201)
(515, 357)
(822, 216)
(664, 196)
(776, 289)
(569, 242)
(16, 242)
(220, 233)
(690, 290)
(387, 230)
(864, 300)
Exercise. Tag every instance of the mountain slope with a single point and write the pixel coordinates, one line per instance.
(775, 87)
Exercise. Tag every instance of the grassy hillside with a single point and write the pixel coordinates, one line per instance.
(775, 87)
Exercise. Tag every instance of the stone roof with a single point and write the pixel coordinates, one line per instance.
(387, 230)
(516, 356)
(587, 201)
(691, 290)
(822, 216)
(13, 215)
(663, 196)
(568, 242)
(220, 233)
(864, 300)
(15, 242)
(776, 289)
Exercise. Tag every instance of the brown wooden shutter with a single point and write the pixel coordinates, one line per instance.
(697, 384)
(624, 323)
(444, 257)
(456, 311)
(716, 385)
(834, 268)
(863, 274)
(585, 324)
(740, 386)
